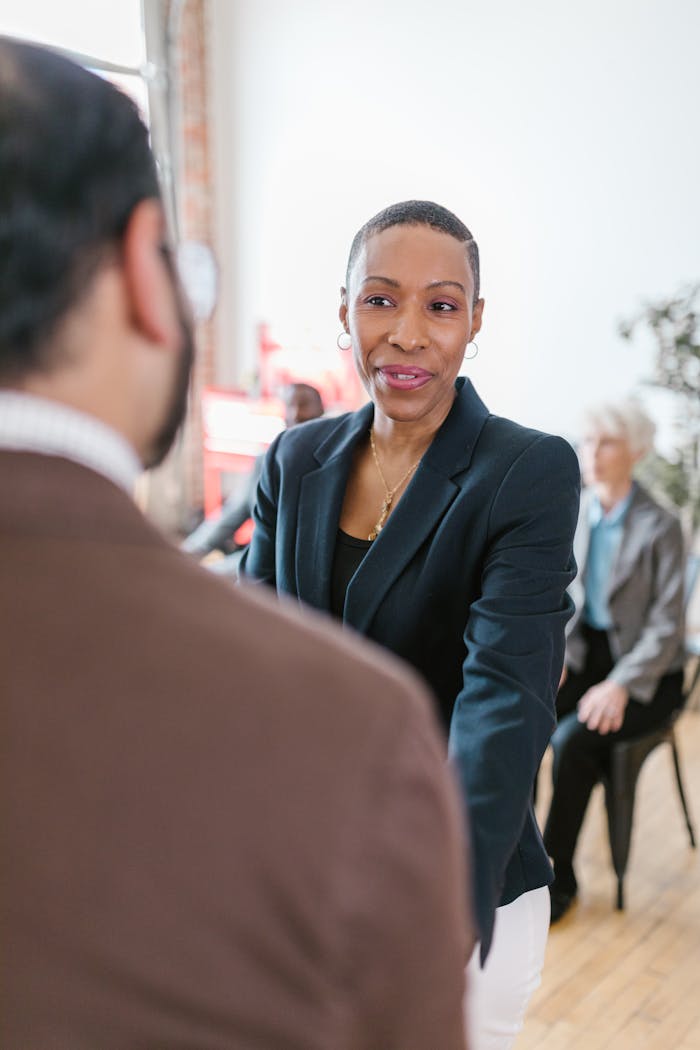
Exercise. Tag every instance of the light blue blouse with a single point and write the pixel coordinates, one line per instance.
(604, 543)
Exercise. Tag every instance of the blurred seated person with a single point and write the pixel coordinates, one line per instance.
(623, 672)
(302, 402)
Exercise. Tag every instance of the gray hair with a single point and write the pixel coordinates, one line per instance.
(626, 419)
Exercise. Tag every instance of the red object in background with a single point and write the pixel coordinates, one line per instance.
(243, 535)
(267, 348)
(236, 429)
(332, 372)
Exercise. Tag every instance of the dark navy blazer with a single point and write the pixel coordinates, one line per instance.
(467, 582)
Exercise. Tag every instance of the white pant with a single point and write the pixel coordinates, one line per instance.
(497, 996)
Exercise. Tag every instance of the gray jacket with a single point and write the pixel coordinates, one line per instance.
(645, 597)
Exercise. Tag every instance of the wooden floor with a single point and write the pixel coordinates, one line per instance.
(630, 980)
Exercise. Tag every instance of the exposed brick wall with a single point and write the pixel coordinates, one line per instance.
(173, 492)
(195, 197)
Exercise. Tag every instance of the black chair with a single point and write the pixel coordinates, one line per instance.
(626, 761)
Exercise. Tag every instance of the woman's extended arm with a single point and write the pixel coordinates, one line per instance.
(505, 713)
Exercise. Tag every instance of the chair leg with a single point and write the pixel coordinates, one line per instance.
(681, 792)
(626, 761)
(620, 809)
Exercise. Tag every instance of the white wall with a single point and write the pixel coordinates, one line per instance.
(99, 28)
(564, 134)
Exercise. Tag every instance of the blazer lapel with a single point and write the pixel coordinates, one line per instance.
(635, 533)
(427, 497)
(320, 502)
(419, 510)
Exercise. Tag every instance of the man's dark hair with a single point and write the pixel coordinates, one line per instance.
(312, 392)
(417, 213)
(74, 162)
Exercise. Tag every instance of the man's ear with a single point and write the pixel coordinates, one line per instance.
(149, 283)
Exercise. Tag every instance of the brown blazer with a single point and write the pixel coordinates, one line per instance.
(223, 825)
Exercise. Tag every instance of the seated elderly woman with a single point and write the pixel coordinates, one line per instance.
(624, 653)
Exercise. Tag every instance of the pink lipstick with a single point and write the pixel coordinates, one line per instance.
(404, 377)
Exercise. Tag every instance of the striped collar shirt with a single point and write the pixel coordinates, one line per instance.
(37, 424)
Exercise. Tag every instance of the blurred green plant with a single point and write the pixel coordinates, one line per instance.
(674, 326)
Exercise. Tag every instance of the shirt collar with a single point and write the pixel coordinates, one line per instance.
(615, 516)
(36, 424)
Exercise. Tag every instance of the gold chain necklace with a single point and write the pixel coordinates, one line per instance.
(388, 493)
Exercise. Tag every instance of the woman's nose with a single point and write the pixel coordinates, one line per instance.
(410, 330)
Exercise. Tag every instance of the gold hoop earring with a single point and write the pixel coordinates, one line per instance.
(344, 342)
(470, 357)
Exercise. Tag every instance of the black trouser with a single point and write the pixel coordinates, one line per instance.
(581, 755)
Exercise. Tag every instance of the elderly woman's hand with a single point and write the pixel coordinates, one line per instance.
(602, 707)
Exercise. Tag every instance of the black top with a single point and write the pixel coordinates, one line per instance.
(349, 552)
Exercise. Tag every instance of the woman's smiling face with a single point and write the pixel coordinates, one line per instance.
(410, 313)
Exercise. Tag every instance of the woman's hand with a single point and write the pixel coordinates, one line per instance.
(602, 707)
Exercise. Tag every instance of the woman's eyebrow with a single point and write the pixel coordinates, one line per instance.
(451, 284)
(384, 280)
(433, 284)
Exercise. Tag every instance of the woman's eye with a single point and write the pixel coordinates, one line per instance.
(378, 300)
(442, 307)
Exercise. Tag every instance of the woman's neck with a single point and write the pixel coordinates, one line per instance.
(611, 493)
(406, 438)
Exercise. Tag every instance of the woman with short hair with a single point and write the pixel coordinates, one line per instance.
(444, 533)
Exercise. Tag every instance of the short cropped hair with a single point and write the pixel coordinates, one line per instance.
(311, 392)
(74, 162)
(626, 419)
(417, 213)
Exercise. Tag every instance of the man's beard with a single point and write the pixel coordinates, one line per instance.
(163, 441)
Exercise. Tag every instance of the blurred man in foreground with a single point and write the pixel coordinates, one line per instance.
(197, 848)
